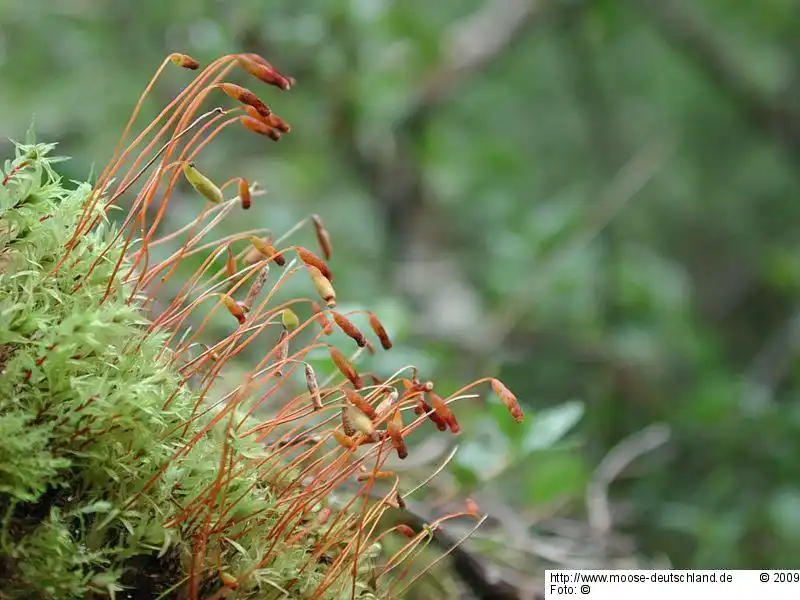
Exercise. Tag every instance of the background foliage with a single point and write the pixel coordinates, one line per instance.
(596, 200)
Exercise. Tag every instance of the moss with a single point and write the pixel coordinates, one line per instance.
(82, 423)
(122, 474)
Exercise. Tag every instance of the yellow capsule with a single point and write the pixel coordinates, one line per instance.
(323, 286)
(360, 421)
(228, 580)
(289, 319)
(204, 186)
(267, 249)
(184, 60)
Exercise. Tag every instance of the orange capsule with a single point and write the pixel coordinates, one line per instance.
(394, 428)
(323, 237)
(313, 388)
(472, 507)
(267, 250)
(323, 286)
(508, 399)
(343, 440)
(253, 113)
(376, 475)
(309, 258)
(379, 331)
(245, 96)
(234, 308)
(230, 263)
(349, 329)
(261, 69)
(345, 367)
(361, 404)
(244, 193)
(260, 128)
(276, 122)
(184, 60)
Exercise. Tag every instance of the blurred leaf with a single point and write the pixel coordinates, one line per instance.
(486, 452)
(550, 425)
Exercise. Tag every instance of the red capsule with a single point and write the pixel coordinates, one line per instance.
(309, 258)
(361, 404)
(379, 331)
(234, 308)
(349, 329)
(245, 96)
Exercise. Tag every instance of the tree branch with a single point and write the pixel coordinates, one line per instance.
(689, 32)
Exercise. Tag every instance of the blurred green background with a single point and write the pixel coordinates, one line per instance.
(595, 200)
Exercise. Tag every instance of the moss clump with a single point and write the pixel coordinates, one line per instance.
(83, 426)
(124, 471)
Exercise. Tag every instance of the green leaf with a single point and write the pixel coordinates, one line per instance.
(558, 473)
(100, 506)
(30, 135)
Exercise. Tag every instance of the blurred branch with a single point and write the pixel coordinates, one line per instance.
(628, 182)
(604, 134)
(483, 581)
(614, 463)
(692, 34)
(471, 45)
(772, 363)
